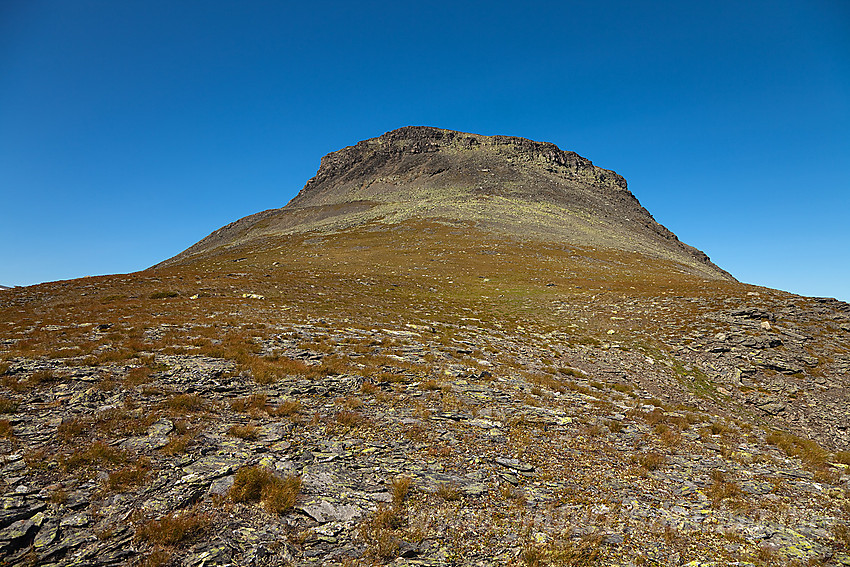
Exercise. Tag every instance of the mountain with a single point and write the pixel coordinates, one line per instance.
(508, 185)
(448, 349)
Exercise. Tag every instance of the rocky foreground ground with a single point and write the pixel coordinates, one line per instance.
(473, 415)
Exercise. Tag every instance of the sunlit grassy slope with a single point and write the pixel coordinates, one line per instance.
(511, 400)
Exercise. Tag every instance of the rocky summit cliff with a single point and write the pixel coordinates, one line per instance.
(506, 184)
(448, 349)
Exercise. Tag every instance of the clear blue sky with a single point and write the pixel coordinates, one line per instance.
(131, 129)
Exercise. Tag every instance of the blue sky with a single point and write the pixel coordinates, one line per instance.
(129, 130)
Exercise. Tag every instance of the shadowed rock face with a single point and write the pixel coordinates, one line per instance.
(511, 185)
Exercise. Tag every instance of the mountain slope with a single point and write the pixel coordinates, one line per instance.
(504, 184)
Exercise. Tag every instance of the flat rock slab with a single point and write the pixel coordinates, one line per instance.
(514, 464)
(323, 511)
(210, 467)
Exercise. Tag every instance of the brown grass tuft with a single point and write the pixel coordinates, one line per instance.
(174, 528)
(247, 432)
(258, 484)
(186, 403)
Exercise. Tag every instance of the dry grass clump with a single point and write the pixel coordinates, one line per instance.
(138, 376)
(722, 489)
(383, 532)
(286, 408)
(177, 444)
(400, 488)
(6, 430)
(650, 461)
(163, 295)
(42, 377)
(129, 476)
(252, 403)
(842, 457)
(174, 528)
(247, 432)
(448, 492)
(582, 552)
(350, 419)
(806, 450)
(97, 454)
(258, 484)
(185, 403)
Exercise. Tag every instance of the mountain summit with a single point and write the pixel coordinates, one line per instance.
(506, 184)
